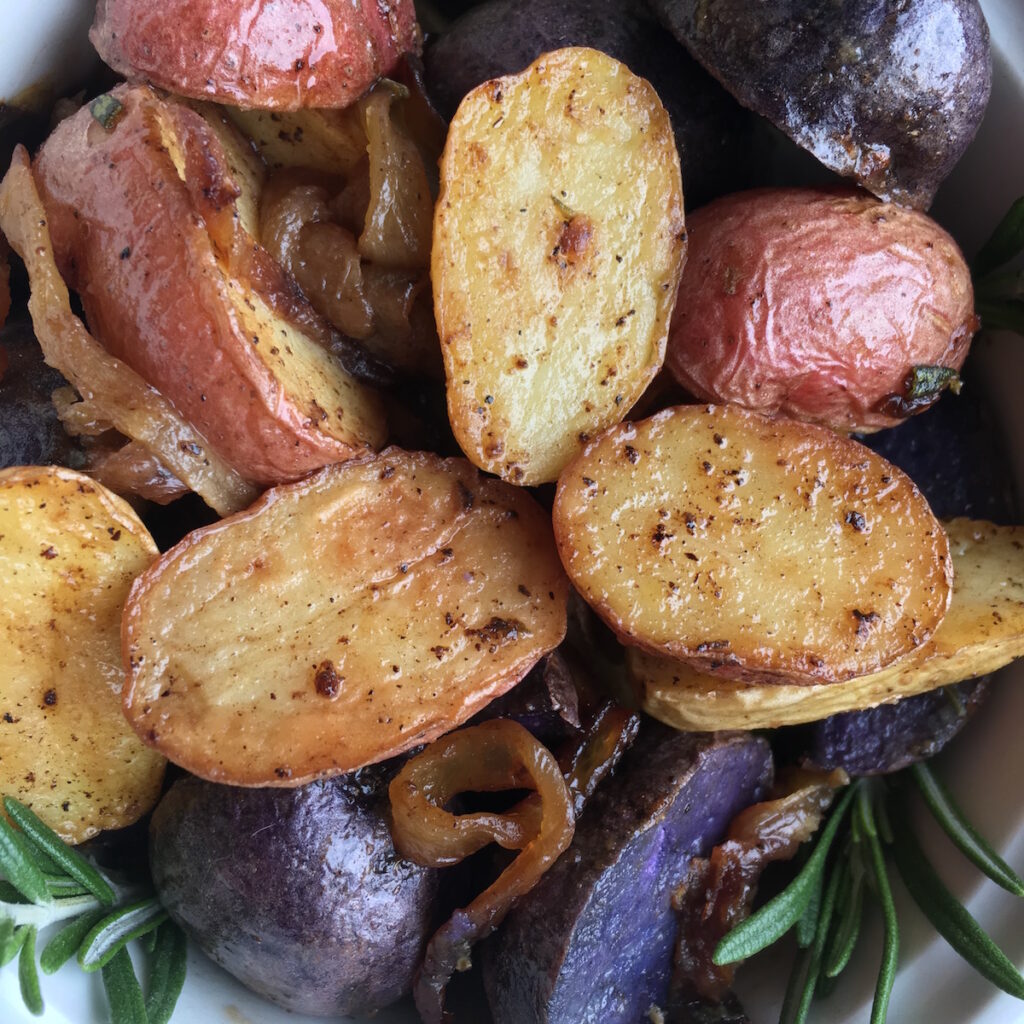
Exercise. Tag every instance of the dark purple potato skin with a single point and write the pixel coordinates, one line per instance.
(889, 92)
(890, 737)
(504, 36)
(296, 892)
(30, 433)
(955, 454)
(592, 942)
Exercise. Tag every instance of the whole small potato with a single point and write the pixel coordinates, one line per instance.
(818, 304)
(298, 893)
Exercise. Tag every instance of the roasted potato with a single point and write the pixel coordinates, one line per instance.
(501, 37)
(983, 630)
(341, 927)
(69, 551)
(396, 596)
(141, 213)
(889, 93)
(271, 56)
(111, 392)
(558, 244)
(592, 942)
(761, 550)
(819, 305)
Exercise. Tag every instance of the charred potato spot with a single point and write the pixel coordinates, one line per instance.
(69, 551)
(982, 631)
(393, 609)
(558, 243)
(783, 560)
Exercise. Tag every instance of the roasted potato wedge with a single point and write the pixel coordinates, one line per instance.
(145, 227)
(69, 550)
(341, 620)
(982, 631)
(558, 246)
(759, 549)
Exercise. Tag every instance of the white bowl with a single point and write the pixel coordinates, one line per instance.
(43, 43)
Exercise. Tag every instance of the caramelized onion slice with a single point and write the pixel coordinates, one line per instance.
(112, 388)
(718, 891)
(494, 755)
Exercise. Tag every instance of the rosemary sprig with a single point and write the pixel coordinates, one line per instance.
(826, 898)
(45, 882)
(998, 287)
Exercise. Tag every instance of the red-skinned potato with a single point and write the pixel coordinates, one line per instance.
(341, 620)
(818, 305)
(274, 56)
(147, 226)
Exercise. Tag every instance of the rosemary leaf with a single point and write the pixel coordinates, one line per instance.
(808, 923)
(11, 946)
(168, 974)
(847, 930)
(950, 918)
(891, 944)
(118, 928)
(69, 859)
(8, 894)
(123, 992)
(828, 903)
(64, 945)
(19, 868)
(28, 976)
(960, 830)
(799, 978)
(1006, 242)
(64, 887)
(6, 937)
(778, 915)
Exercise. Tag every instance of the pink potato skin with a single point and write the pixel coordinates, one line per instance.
(268, 54)
(131, 240)
(816, 305)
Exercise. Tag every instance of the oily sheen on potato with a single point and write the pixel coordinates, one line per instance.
(271, 56)
(759, 549)
(982, 631)
(341, 620)
(143, 217)
(69, 551)
(818, 304)
(558, 245)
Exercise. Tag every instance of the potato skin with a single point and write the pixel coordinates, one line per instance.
(816, 304)
(132, 238)
(503, 36)
(277, 56)
(297, 893)
(592, 942)
(884, 91)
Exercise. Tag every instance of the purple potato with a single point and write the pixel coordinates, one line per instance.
(889, 92)
(504, 36)
(592, 942)
(885, 739)
(30, 432)
(298, 893)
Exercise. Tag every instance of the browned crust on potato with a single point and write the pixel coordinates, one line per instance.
(756, 549)
(69, 550)
(341, 620)
(558, 245)
(982, 631)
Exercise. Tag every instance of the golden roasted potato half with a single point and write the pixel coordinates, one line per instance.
(982, 631)
(761, 550)
(558, 247)
(69, 551)
(341, 620)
